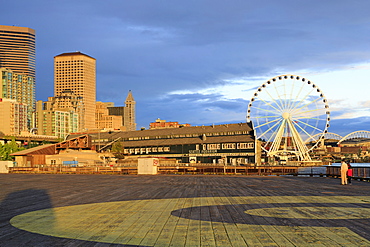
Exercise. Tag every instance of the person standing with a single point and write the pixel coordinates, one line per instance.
(343, 172)
(349, 173)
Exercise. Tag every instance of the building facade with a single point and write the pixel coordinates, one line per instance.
(227, 143)
(104, 120)
(18, 66)
(53, 121)
(20, 87)
(127, 112)
(13, 117)
(130, 115)
(18, 50)
(163, 124)
(76, 72)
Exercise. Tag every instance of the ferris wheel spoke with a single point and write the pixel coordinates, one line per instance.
(309, 118)
(302, 100)
(277, 137)
(300, 108)
(285, 96)
(270, 104)
(301, 147)
(308, 134)
(275, 101)
(269, 129)
(297, 95)
(267, 117)
(266, 110)
(261, 125)
(308, 111)
(309, 125)
(291, 95)
(279, 96)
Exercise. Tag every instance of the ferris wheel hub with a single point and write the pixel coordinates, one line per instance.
(286, 115)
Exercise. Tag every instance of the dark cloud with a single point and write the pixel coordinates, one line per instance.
(157, 47)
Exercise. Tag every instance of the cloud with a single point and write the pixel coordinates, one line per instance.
(228, 48)
(344, 126)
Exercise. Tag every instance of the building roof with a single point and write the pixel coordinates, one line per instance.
(129, 96)
(76, 53)
(241, 132)
(17, 29)
(43, 149)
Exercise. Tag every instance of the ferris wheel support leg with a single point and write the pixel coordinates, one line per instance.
(301, 147)
(277, 142)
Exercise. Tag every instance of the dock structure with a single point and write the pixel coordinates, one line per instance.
(187, 210)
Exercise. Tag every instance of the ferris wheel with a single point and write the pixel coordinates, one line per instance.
(286, 110)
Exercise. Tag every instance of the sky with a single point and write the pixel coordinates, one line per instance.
(200, 61)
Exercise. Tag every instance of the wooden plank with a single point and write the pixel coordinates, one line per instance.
(87, 210)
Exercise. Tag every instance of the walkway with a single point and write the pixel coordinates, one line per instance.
(174, 210)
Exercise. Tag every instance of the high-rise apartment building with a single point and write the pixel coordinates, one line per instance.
(19, 87)
(18, 64)
(76, 71)
(13, 117)
(59, 115)
(53, 121)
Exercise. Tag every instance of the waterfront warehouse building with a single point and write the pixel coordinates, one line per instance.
(226, 143)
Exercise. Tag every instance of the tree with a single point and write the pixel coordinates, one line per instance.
(9, 148)
(117, 149)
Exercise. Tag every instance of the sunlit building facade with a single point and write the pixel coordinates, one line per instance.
(18, 66)
(13, 117)
(53, 121)
(18, 49)
(76, 72)
(104, 120)
(19, 87)
(163, 124)
(127, 112)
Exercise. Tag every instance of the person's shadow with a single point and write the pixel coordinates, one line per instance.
(18, 203)
(24, 201)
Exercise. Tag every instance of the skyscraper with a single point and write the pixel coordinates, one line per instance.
(129, 117)
(17, 66)
(17, 49)
(76, 71)
(127, 112)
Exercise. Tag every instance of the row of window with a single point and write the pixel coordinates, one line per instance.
(146, 150)
(229, 133)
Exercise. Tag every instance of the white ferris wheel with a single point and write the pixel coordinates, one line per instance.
(285, 111)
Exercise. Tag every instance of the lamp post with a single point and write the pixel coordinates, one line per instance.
(98, 141)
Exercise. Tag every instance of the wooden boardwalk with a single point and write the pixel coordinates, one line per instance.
(182, 210)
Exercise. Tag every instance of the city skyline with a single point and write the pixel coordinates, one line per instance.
(200, 62)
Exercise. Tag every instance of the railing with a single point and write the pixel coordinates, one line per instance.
(75, 170)
(361, 173)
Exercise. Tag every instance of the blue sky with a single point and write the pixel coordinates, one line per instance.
(200, 61)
